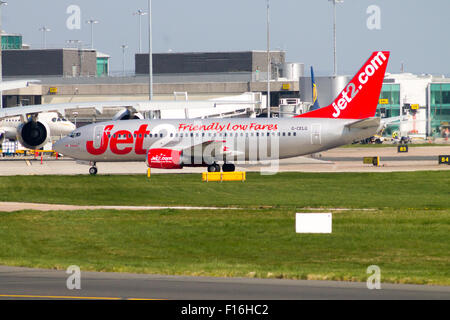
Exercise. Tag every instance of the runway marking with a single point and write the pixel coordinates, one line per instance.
(55, 297)
(72, 297)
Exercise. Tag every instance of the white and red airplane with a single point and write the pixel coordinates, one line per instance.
(174, 144)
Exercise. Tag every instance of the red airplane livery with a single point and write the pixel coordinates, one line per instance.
(172, 144)
(121, 137)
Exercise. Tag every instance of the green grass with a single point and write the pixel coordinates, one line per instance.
(410, 246)
(407, 236)
(284, 190)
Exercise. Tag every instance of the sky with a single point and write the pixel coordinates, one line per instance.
(416, 32)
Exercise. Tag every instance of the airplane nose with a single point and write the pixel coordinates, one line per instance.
(58, 146)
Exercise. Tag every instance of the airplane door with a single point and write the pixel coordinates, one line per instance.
(315, 133)
(98, 134)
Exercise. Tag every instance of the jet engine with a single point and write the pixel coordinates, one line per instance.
(33, 134)
(127, 114)
(162, 158)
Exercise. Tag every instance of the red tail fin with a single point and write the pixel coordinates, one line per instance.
(359, 99)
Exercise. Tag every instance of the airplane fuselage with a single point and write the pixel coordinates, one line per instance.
(242, 139)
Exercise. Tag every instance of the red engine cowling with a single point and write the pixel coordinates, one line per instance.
(164, 158)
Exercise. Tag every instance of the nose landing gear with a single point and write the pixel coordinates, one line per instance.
(93, 170)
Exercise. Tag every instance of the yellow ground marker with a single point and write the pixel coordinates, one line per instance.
(71, 297)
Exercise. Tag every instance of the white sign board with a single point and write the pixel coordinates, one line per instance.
(313, 223)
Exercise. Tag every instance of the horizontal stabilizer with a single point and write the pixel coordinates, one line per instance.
(364, 123)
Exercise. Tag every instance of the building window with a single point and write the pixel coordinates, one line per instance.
(439, 108)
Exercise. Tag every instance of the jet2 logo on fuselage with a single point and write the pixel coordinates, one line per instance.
(121, 137)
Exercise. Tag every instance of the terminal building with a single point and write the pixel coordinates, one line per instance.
(73, 75)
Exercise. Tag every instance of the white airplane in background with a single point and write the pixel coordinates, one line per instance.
(174, 144)
(12, 128)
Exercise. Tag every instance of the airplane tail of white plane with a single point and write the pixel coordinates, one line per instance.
(359, 99)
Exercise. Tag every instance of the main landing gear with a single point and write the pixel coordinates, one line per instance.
(214, 168)
(227, 167)
(93, 170)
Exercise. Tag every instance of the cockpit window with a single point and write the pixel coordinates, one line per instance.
(75, 134)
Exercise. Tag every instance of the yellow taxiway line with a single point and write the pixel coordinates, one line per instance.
(70, 297)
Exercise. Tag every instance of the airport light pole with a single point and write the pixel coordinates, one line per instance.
(140, 13)
(269, 68)
(2, 3)
(150, 52)
(92, 22)
(334, 34)
(124, 46)
(44, 30)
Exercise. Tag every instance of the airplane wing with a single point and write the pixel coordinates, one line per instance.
(217, 149)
